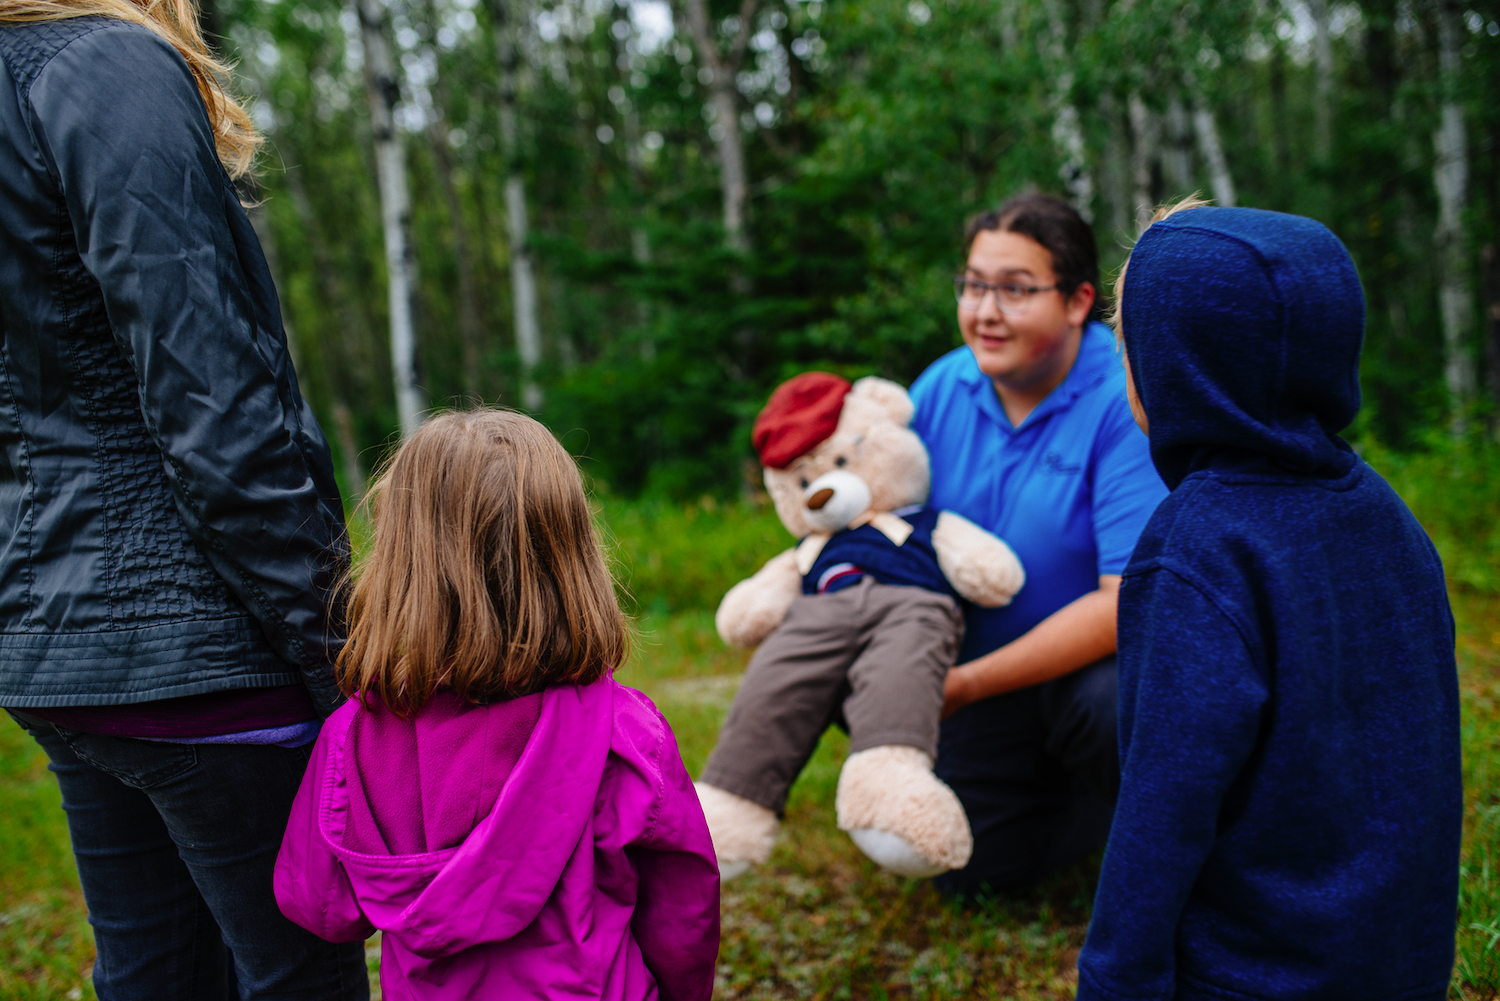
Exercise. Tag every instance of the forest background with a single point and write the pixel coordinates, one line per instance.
(633, 218)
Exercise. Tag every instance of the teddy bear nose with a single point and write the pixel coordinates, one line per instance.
(817, 500)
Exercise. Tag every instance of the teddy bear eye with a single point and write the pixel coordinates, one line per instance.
(841, 462)
(803, 481)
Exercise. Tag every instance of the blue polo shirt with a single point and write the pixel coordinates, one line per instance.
(1069, 489)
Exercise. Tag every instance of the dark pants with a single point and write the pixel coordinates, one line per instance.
(1037, 771)
(870, 658)
(175, 846)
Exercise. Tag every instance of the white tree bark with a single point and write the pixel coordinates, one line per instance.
(1323, 81)
(1177, 151)
(1010, 34)
(1220, 182)
(1451, 178)
(384, 90)
(640, 241)
(1143, 151)
(1067, 132)
(724, 98)
(522, 275)
(1115, 174)
(470, 324)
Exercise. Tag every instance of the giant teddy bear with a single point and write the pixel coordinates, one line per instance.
(858, 624)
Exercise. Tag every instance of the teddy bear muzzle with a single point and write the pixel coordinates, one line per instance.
(835, 499)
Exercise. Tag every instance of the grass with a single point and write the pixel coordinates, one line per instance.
(820, 921)
(46, 947)
(1477, 970)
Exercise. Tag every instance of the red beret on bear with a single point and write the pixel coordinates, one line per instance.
(802, 412)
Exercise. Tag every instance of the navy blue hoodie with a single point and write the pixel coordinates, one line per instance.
(1290, 807)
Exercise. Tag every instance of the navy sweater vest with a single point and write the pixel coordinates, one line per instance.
(854, 553)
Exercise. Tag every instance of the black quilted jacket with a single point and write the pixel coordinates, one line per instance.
(169, 522)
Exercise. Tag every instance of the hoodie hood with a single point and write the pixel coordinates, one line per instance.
(423, 876)
(1243, 329)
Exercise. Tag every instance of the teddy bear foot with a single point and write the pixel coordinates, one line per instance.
(743, 832)
(900, 814)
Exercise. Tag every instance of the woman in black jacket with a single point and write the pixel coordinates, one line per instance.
(170, 529)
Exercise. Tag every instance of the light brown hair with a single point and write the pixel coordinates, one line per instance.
(235, 137)
(484, 576)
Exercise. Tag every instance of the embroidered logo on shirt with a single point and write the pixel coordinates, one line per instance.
(1053, 462)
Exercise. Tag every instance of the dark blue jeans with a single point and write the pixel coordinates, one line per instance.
(175, 845)
(1037, 771)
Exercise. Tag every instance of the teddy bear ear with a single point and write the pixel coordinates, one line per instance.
(887, 395)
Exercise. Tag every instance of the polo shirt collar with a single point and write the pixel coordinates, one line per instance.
(1096, 359)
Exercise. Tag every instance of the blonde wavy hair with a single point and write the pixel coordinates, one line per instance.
(485, 576)
(235, 137)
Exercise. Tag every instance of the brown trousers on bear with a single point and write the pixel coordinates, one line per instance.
(871, 656)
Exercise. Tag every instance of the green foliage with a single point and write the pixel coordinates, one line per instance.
(1453, 487)
(871, 129)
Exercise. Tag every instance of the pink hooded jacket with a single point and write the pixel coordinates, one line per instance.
(548, 847)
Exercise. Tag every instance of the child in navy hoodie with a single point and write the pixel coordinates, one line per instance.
(1290, 806)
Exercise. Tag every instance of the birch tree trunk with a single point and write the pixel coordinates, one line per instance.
(522, 274)
(1451, 179)
(384, 90)
(470, 326)
(1143, 152)
(640, 241)
(1281, 154)
(1067, 133)
(1491, 264)
(1177, 151)
(1220, 182)
(1115, 170)
(1010, 34)
(1323, 82)
(724, 98)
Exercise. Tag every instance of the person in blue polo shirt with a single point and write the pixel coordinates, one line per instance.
(1031, 437)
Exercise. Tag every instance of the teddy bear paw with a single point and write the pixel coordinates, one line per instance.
(743, 832)
(900, 814)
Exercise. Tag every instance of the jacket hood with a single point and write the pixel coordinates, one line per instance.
(1243, 329)
(444, 873)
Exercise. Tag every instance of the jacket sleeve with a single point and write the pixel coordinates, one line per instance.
(312, 888)
(676, 921)
(1191, 702)
(118, 118)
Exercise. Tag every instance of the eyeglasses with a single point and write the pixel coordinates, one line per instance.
(1012, 297)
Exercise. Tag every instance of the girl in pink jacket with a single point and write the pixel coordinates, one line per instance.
(517, 823)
